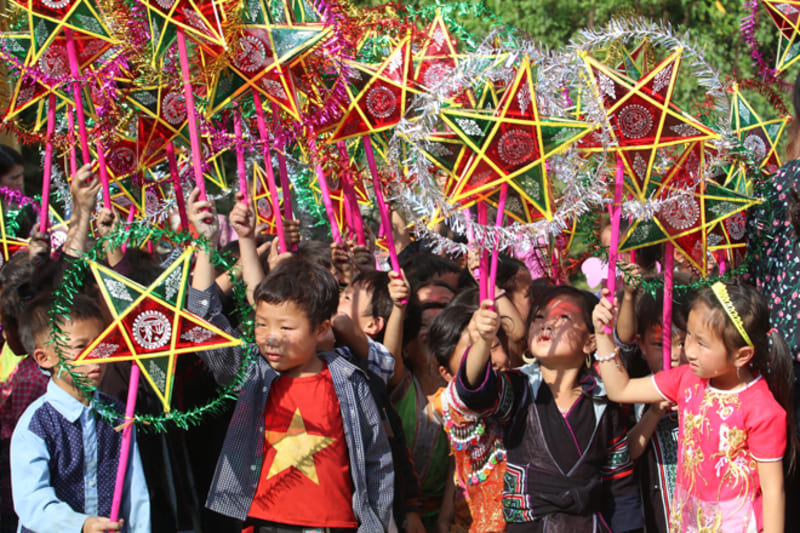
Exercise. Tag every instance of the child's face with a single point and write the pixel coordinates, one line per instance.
(652, 347)
(558, 334)
(354, 302)
(705, 350)
(78, 334)
(286, 339)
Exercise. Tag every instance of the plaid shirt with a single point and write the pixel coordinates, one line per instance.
(239, 466)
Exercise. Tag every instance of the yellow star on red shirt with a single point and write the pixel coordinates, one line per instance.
(296, 447)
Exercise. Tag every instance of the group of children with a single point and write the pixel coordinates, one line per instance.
(397, 401)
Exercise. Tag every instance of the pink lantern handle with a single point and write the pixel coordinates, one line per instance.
(501, 209)
(241, 170)
(666, 317)
(44, 208)
(188, 96)
(176, 186)
(73, 157)
(484, 258)
(350, 197)
(382, 207)
(127, 437)
(611, 280)
(273, 189)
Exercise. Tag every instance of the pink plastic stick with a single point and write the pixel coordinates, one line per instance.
(127, 437)
(483, 282)
(284, 174)
(382, 208)
(129, 219)
(666, 317)
(101, 165)
(74, 67)
(273, 189)
(322, 181)
(611, 281)
(176, 185)
(44, 209)
(501, 211)
(723, 267)
(188, 96)
(350, 197)
(241, 170)
(73, 157)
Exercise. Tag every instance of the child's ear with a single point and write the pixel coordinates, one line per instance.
(445, 373)
(44, 359)
(590, 345)
(374, 326)
(742, 356)
(321, 331)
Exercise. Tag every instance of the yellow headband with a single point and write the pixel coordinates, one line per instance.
(721, 292)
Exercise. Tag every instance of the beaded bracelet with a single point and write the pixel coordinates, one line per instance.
(613, 355)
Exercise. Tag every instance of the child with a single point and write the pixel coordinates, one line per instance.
(63, 458)
(476, 446)
(305, 428)
(567, 455)
(733, 432)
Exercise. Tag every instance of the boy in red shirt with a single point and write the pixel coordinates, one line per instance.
(306, 448)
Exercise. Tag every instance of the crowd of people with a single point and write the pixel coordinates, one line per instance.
(378, 401)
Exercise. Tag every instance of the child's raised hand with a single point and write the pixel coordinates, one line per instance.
(291, 232)
(275, 256)
(363, 259)
(604, 312)
(107, 219)
(243, 218)
(84, 189)
(99, 524)
(486, 321)
(39, 248)
(340, 259)
(203, 217)
(399, 288)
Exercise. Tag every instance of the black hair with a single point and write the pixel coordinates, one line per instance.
(507, 268)
(445, 331)
(587, 301)
(315, 252)
(649, 308)
(421, 268)
(309, 285)
(539, 287)
(8, 159)
(771, 355)
(34, 324)
(380, 302)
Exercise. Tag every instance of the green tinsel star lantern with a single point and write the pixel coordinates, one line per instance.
(150, 326)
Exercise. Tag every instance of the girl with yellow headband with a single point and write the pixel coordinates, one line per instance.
(732, 400)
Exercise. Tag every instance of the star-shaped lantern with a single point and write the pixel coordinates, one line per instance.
(696, 206)
(510, 145)
(48, 18)
(150, 326)
(786, 16)
(201, 19)
(643, 118)
(378, 99)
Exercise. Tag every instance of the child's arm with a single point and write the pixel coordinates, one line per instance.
(203, 218)
(772, 494)
(84, 188)
(619, 386)
(486, 322)
(640, 434)
(348, 334)
(399, 291)
(35, 500)
(243, 220)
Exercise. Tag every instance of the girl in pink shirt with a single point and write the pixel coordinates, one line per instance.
(732, 400)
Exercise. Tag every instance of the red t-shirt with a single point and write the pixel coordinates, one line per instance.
(305, 475)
